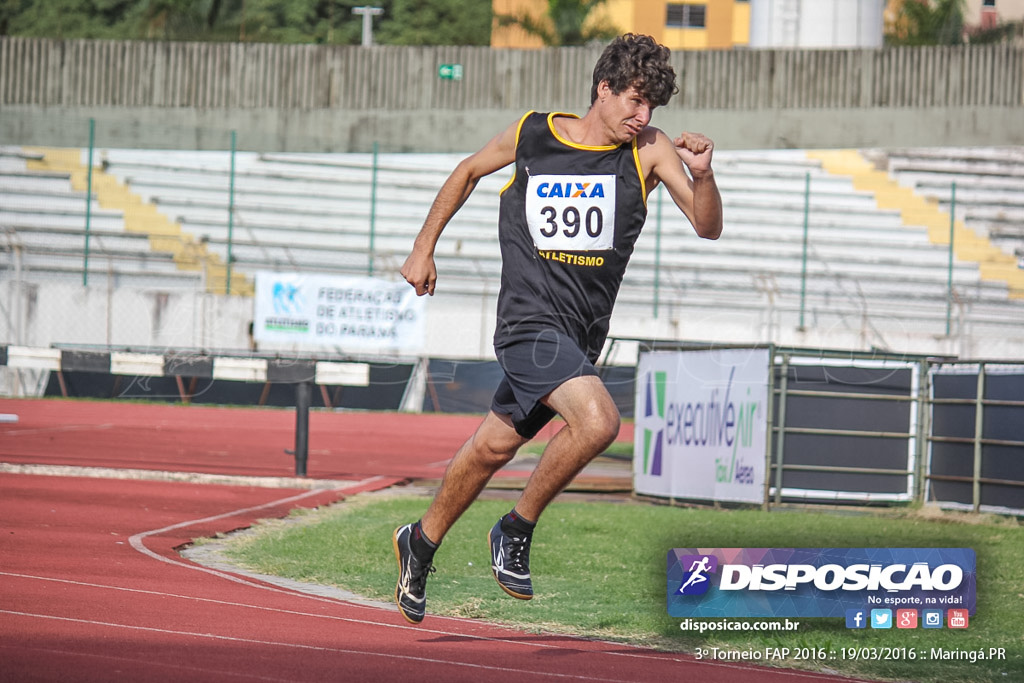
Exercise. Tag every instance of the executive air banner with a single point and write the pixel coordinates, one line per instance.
(701, 424)
(344, 313)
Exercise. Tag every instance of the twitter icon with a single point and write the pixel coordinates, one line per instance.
(881, 618)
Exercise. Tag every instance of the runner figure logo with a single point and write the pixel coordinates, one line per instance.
(695, 580)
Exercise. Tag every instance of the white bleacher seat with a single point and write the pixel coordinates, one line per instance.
(306, 212)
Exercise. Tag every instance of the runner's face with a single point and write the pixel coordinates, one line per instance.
(627, 113)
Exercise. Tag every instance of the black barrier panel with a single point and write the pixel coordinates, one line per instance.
(621, 384)
(1002, 495)
(189, 365)
(468, 386)
(85, 361)
(846, 482)
(1001, 423)
(460, 386)
(287, 370)
(1005, 423)
(824, 411)
(387, 385)
(957, 421)
(84, 385)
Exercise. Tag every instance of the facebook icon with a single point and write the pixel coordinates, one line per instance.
(855, 618)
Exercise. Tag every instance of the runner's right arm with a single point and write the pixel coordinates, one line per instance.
(419, 269)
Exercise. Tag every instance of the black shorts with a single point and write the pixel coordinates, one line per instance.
(534, 366)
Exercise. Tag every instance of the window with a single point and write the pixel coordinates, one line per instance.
(685, 16)
(988, 3)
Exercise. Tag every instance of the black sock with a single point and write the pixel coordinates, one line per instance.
(515, 522)
(422, 547)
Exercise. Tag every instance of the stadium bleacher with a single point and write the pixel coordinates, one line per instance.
(989, 186)
(42, 219)
(864, 265)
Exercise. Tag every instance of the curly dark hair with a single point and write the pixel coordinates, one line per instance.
(638, 61)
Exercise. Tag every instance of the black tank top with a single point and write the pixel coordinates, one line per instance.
(567, 224)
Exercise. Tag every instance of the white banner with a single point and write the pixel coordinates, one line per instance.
(344, 313)
(701, 424)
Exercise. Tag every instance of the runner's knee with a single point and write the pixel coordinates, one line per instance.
(492, 454)
(599, 423)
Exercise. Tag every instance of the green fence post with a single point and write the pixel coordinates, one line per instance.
(780, 442)
(373, 206)
(231, 216)
(657, 252)
(770, 436)
(88, 204)
(803, 264)
(949, 275)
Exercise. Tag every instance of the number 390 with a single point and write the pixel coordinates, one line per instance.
(592, 221)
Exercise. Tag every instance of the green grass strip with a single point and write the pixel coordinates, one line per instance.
(599, 572)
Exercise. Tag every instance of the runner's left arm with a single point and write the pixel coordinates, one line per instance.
(698, 198)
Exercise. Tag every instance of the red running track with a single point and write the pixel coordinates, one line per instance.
(92, 589)
(243, 442)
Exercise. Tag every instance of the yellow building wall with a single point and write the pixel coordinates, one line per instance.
(727, 23)
(741, 23)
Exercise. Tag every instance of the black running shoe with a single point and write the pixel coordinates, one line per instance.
(411, 590)
(510, 562)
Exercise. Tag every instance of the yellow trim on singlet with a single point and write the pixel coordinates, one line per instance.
(519, 129)
(592, 148)
(570, 143)
(640, 171)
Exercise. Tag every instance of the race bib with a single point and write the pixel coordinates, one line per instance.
(571, 212)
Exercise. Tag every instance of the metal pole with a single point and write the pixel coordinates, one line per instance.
(924, 429)
(368, 13)
(88, 204)
(231, 215)
(979, 410)
(770, 419)
(803, 266)
(781, 441)
(303, 392)
(657, 252)
(949, 276)
(373, 206)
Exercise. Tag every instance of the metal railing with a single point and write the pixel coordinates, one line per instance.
(923, 467)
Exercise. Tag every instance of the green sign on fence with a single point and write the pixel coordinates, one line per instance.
(450, 72)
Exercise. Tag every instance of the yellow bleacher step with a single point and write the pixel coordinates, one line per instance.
(993, 263)
(144, 218)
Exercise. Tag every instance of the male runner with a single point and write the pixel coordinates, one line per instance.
(567, 223)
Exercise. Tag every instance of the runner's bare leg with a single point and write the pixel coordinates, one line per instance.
(591, 424)
(491, 447)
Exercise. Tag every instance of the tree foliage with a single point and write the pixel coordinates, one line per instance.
(404, 22)
(928, 22)
(434, 22)
(566, 22)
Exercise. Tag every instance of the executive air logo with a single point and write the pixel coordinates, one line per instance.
(654, 404)
(817, 582)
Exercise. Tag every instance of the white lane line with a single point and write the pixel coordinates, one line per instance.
(666, 657)
(136, 542)
(316, 648)
(115, 660)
